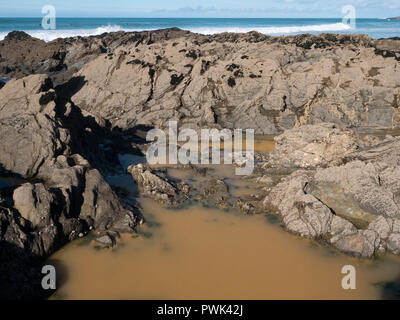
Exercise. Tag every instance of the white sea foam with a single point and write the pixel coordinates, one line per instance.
(49, 35)
(277, 30)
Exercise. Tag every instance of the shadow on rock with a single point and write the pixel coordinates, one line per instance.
(20, 274)
(91, 136)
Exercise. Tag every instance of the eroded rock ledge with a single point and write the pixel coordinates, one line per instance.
(227, 80)
(351, 201)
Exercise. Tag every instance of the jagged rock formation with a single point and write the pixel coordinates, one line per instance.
(265, 86)
(62, 196)
(227, 80)
(354, 206)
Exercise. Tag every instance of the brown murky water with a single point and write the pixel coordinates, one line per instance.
(205, 253)
(202, 253)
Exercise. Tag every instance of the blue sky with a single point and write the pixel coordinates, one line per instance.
(203, 8)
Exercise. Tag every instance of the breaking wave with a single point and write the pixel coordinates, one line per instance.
(277, 30)
(49, 35)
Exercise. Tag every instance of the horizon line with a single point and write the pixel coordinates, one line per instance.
(172, 17)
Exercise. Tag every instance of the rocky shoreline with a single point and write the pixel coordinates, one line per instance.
(345, 197)
(72, 105)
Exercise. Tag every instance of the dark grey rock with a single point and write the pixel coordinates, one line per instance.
(380, 117)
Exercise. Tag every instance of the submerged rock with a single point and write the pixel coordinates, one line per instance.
(216, 192)
(245, 207)
(106, 240)
(157, 187)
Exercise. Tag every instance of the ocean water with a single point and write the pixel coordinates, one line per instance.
(68, 27)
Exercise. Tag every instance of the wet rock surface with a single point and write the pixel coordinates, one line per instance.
(107, 240)
(216, 191)
(159, 187)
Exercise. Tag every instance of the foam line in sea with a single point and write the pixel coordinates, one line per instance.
(49, 35)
